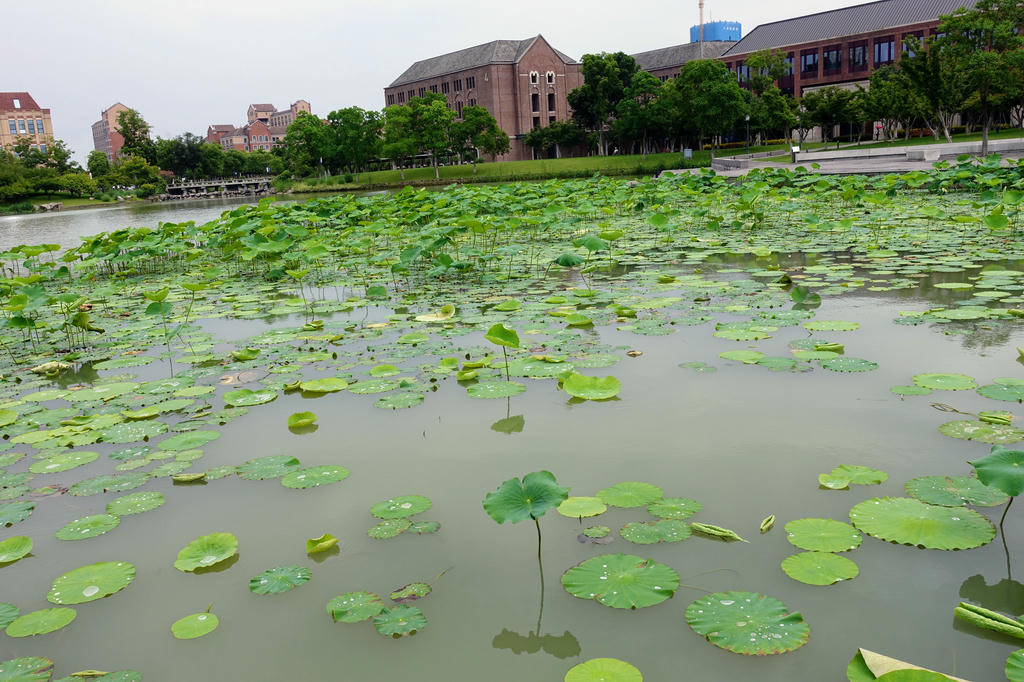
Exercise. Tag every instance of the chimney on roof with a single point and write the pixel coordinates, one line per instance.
(700, 3)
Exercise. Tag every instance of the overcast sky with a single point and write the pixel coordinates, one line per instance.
(186, 64)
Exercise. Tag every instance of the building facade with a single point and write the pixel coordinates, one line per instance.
(666, 62)
(265, 128)
(105, 137)
(724, 31)
(21, 117)
(841, 47)
(522, 83)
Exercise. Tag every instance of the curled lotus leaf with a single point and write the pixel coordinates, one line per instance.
(401, 507)
(194, 625)
(1002, 469)
(399, 621)
(591, 388)
(912, 522)
(500, 335)
(819, 568)
(945, 382)
(621, 581)
(272, 466)
(301, 419)
(674, 508)
(310, 477)
(88, 527)
(630, 494)
(206, 550)
(353, 607)
(279, 579)
(603, 670)
(954, 491)
(320, 544)
(581, 507)
(91, 582)
(822, 535)
(747, 623)
(135, 503)
(14, 548)
(41, 622)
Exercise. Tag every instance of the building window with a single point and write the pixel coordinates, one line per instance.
(21, 126)
(535, 102)
(472, 102)
(445, 87)
(433, 88)
(534, 78)
(809, 63)
(391, 99)
(14, 129)
(832, 59)
(471, 82)
(536, 121)
(859, 56)
(919, 35)
(551, 101)
(421, 91)
(551, 119)
(31, 127)
(789, 64)
(458, 108)
(458, 85)
(550, 77)
(401, 98)
(17, 103)
(884, 50)
(742, 73)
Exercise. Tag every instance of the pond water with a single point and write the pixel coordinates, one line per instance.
(744, 441)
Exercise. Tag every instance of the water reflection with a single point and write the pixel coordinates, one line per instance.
(560, 646)
(1006, 596)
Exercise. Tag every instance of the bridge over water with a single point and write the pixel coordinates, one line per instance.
(253, 184)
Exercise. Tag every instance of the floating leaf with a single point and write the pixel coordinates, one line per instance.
(243, 397)
(674, 508)
(410, 592)
(189, 441)
(92, 582)
(495, 389)
(40, 622)
(135, 503)
(1013, 393)
(596, 531)
(279, 579)
(849, 364)
(399, 621)
(603, 670)
(831, 326)
(63, 462)
(581, 507)
(314, 476)
(1015, 666)
(663, 530)
(912, 522)
(194, 625)
(424, 527)
(320, 544)
(88, 527)
(591, 388)
(272, 466)
(819, 568)
(389, 528)
(301, 419)
(954, 491)
(747, 623)
(860, 475)
(910, 390)
(328, 385)
(14, 548)
(834, 482)
(15, 512)
(206, 551)
(630, 494)
(399, 401)
(982, 432)
(530, 498)
(622, 581)
(401, 507)
(28, 669)
(747, 357)
(945, 382)
(353, 607)
(373, 386)
(823, 535)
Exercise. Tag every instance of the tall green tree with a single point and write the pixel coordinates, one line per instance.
(135, 131)
(827, 108)
(478, 130)
(932, 72)
(431, 124)
(606, 78)
(356, 134)
(712, 98)
(772, 113)
(399, 137)
(98, 163)
(766, 68)
(640, 114)
(893, 101)
(307, 144)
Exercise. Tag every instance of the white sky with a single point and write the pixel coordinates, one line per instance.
(186, 64)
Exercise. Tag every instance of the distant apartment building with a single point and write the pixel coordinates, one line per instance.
(522, 83)
(667, 62)
(265, 128)
(105, 137)
(21, 117)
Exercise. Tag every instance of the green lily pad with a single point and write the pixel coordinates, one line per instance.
(353, 607)
(910, 390)
(1002, 469)
(194, 625)
(15, 512)
(819, 568)
(399, 621)
(596, 531)
(604, 670)
(822, 535)
(1014, 666)
(206, 550)
(531, 498)
(650, 532)
(591, 388)
(674, 508)
(104, 392)
(401, 507)
(1008, 393)
(983, 432)
(945, 382)
(28, 669)
(135, 503)
(860, 475)
(8, 614)
(849, 364)
(243, 397)
(410, 592)
(413, 338)
(747, 623)
(621, 581)
(580, 507)
(912, 522)
(389, 528)
(88, 527)
(399, 401)
(630, 494)
(381, 371)
(14, 548)
(495, 389)
(299, 420)
(373, 386)
(189, 440)
(41, 622)
(500, 335)
(131, 432)
(954, 491)
(92, 582)
(263, 468)
(63, 462)
(831, 326)
(747, 357)
(424, 527)
(320, 544)
(279, 579)
(311, 477)
(328, 385)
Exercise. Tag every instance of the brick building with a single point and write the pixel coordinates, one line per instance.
(841, 47)
(265, 129)
(105, 137)
(666, 62)
(522, 83)
(20, 117)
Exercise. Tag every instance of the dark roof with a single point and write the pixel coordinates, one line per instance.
(222, 128)
(24, 99)
(494, 52)
(263, 107)
(677, 55)
(847, 21)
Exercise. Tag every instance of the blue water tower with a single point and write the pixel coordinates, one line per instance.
(718, 30)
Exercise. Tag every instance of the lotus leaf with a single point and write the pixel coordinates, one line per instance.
(591, 388)
(399, 621)
(63, 462)
(320, 544)
(299, 420)
(982, 432)
(1014, 666)
(774, 364)
(399, 401)
(384, 371)
(166, 385)
(445, 313)
(954, 491)
(263, 468)
(912, 522)
(860, 475)
(189, 440)
(596, 531)
(14, 548)
(132, 432)
(630, 494)
(495, 389)
(29, 669)
(413, 338)
(1013, 393)
(243, 397)
(279, 579)
(194, 625)
(104, 392)
(641, 533)
(353, 607)
(622, 581)
(509, 305)
(819, 568)
(748, 357)
(401, 507)
(91, 582)
(945, 382)
(530, 498)
(373, 386)
(848, 364)
(311, 477)
(328, 385)
(88, 527)
(15, 512)
(41, 622)
(424, 527)
(389, 528)
(910, 390)
(603, 670)
(410, 592)
(206, 551)
(1002, 469)
(8, 613)
(747, 623)
(580, 507)
(716, 532)
(822, 535)
(674, 508)
(500, 335)
(831, 326)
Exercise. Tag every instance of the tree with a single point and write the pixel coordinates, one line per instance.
(356, 136)
(986, 45)
(181, 155)
(479, 130)
(767, 67)
(932, 75)
(58, 157)
(606, 77)
(399, 136)
(98, 163)
(892, 100)
(772, 112)
(431, 121)
(639, 113)
(211, 160)
(827, 108)
(559, 136)
(77, 184)
(135, 131)
(134, 171)
(306, 142)
(716, 101)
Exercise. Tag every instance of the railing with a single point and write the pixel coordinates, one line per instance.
(216, 182)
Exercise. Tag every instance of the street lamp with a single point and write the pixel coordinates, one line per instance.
(747, 118)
